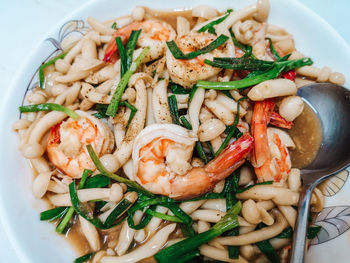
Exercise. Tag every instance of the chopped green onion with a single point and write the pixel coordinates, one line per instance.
(186, 123)
(84, 258)
(122, 54)
(273, 50)
(312, 232)
(97, 181)
(178, 54)
(210, 26)
(63, 224)
(113, 106)
(132, 108)
(243, 63)
(211, 148)
(130, 46)
(163, 216)
(234, 129)
(227, 93)
(178, 89)
(113, 176)
(54, 213)
(49, 107)
(43, 66)
(177, 251)
(247, 49)
(187, 230)
(193, 91)
(117, 212)
(114, 25)
(102, 108)
(173, 109)
(250, 186)
(266, 248)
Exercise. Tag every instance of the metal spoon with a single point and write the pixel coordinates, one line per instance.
(332, 105)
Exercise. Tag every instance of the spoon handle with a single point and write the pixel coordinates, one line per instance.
(300, 229)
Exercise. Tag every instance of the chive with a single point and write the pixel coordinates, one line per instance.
(132, 108)
(163, 201)
(101, 111)
(250, 186)
(247, 49)
(227, 93)
(122, 54)
(266, 248)
(187, 230)
(233, 131)
(186, 123)
(53, 214)
(113, 106)
(163, 216)
(211, 148)
(273, 50)
(84, 258)
(256, 78)
(97, 181)
(63, 224)
(49, 107)
(243, 63)
(118, 211)
(178, 54)
(312, 232)
(113, 176)
(43, 66)
(173, 109)
(177, 251)
(114, 25)
(130, 46)
(178, 89)
(210, 26)
(206, 196)
(193, 91)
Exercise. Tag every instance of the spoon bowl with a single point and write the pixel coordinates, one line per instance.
(332, 105)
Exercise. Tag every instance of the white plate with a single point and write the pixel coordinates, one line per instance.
(37, 241)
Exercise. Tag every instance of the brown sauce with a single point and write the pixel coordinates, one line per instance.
(307, 136)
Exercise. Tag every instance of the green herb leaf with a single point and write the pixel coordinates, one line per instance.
(177, 251)
(43, 66)
(49, 107)
(173, 109)
(113, 106)
(53, 214)
(84, 258)
(178, 54)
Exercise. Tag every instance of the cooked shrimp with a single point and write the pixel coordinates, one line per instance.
(67, 140)
(270, 156)
(154, 34)
(162, 155)
(187, 72)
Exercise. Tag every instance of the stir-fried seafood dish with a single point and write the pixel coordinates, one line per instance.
(173, 136)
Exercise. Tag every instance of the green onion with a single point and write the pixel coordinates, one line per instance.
(243, 63)
(227, 93)
(163, 216)
(234, 129)
(312, 232)
(49, 107)
(54, 213)
(132, 108)
(253, 79)
(187, 230)
(97, 181)
(43, 66)
(122, 54)
(173, 109)
(130, 46)
(211, 148)
(247, 49)
(178, 89)
(63, 224)
(186, 123)
(193, 91)
(250, 186)
(273, 50)
(266, 248)
(177, 251)
(210, 26)
(84, 258)
(118, 211)
(114, 25)
(113, 106)
(102, 108)
(113, 176)
(178, 54)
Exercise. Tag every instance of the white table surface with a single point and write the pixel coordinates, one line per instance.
(23, 23)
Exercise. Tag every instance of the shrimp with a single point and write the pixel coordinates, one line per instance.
(187, 72)
(162, 155)
(67, 140)
(270, 156)
(154, 34)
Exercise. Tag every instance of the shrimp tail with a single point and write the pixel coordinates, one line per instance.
(261, 117)
(278, 121)
(231, 158)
